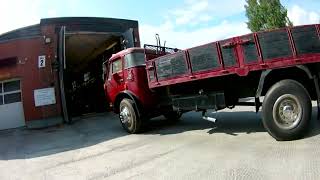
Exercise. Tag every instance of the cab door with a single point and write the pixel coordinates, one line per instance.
(115, 81)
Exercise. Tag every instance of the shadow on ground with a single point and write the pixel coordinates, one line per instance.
(27, 144)
(230, 123)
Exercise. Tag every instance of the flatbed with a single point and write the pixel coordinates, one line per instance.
(241, 55)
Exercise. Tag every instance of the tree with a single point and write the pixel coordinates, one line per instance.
(266, 14)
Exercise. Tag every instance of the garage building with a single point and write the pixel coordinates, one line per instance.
(52, 72)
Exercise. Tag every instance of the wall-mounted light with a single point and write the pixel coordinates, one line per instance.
(47, 40)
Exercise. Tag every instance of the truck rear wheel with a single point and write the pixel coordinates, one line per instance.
(129, 117)
(286, 110)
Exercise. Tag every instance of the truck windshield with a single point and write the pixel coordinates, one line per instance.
(134, 59)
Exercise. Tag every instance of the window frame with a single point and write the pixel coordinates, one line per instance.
(121, 65)
(3, 94)
(6, 95)
(110, 71)
(133, 64)
(4, 90)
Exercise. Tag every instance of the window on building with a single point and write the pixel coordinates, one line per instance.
(11, 86)
(12, 98)
(10, 92)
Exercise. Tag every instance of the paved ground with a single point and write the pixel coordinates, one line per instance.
(237, 147)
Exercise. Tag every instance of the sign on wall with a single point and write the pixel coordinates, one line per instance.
(42, 61)
(43, 97)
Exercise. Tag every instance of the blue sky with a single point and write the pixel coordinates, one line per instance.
(182, 23)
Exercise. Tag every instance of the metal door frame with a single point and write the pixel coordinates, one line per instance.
(62, 67)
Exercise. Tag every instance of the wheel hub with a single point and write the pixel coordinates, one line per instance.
(287, 111)
(125, 115)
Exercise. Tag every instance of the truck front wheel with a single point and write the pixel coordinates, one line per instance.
(129, 117)
(286, 110)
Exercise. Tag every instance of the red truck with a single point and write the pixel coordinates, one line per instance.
(282, 65)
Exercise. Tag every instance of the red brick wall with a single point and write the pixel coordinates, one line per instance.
(26, 69)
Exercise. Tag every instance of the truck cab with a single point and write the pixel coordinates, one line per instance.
(126, 87)
(126, 76)
(127, 90)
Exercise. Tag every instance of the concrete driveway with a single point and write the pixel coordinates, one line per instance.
(236, 147)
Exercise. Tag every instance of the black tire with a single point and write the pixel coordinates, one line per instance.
(173, 116)
(135, 124)
(286, 110)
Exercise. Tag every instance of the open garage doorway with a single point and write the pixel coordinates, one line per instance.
(81, 80)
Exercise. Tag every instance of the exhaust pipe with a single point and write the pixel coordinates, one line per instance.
(211, 119)
(207, 118)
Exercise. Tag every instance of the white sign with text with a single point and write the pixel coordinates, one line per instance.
(43, 97)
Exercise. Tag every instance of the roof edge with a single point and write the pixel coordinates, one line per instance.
(76, 20)
(19, 29)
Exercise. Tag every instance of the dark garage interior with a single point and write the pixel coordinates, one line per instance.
(85, 54)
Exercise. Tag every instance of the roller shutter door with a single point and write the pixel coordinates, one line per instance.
(11, 108)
